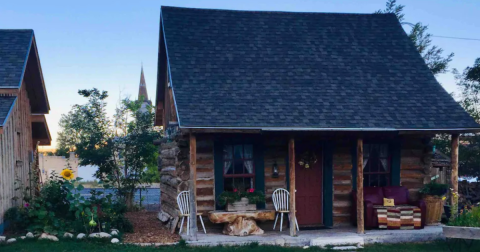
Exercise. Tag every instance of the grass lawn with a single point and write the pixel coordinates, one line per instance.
(47, 246)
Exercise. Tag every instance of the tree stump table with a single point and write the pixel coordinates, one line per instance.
(241, 223)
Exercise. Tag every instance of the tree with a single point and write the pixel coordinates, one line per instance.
(469, 158)
(122, 148)
(433, 55)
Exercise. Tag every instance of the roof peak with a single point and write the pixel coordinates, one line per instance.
(274, 12)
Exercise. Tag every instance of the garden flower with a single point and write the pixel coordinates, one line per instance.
(235, 190)
(27, 205)
(67, 174)
(444, 198)
(251, 190)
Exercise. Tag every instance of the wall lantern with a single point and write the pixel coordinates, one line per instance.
(275, 170)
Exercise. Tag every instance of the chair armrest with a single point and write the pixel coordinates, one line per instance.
(423, 207)
(368, 205)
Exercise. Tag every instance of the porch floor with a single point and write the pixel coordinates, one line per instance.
(324, 237)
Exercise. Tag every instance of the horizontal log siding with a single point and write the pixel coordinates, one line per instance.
(342, 183)
(415, 164)
(205, 175)
(274, 150)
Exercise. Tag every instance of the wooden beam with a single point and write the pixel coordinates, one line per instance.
(454, 165)
(9, 91)
(193, 187)
(360, 207)
(291, 158)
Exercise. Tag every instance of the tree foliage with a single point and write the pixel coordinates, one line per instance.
(432, 54)
(121, 148)
(469, 151)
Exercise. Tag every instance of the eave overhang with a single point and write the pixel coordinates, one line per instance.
(40, 131)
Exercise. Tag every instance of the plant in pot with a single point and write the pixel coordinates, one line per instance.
(434, 196)
(241, 200)
(463, 224)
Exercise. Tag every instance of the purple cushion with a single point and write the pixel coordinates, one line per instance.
(398, 193)
(373, 194)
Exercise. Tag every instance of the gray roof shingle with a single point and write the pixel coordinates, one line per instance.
(307, 70)
(14, 48)
(6, 103)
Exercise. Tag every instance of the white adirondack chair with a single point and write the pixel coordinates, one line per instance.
(281, 199)
(184, 206)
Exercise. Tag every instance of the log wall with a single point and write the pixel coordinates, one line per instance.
(15, 150)
(275, 150)
(342, 183)
(415, 165)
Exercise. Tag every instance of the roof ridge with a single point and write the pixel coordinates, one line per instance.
(277, 12)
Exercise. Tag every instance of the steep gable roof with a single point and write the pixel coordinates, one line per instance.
(255, 69)
(14, 50)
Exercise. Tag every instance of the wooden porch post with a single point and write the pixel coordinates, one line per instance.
(291, 158)
(360, 207)
(193, 188)
(454, 164)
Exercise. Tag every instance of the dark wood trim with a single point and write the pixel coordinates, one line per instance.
(259, 164)
(12, 91)
(360, 209)
(291, 158)
(218, 171)
(454, 166)
(396, 156)
(328, 150)
(193, 187)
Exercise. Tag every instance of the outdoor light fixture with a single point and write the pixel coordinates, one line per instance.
(275, 170)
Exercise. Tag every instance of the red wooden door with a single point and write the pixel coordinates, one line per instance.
(308, 182)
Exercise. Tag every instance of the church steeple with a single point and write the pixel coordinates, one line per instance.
(142, 90)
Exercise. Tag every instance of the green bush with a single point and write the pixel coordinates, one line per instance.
(466, 218)
(60, 207)
(434, 189)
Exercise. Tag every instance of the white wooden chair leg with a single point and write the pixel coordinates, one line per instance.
(188, 225)
(275, 223)
(296, 223)
(281, 222)
(181, 225)
(200, 217)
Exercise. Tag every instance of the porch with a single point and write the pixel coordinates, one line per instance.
(338, 237)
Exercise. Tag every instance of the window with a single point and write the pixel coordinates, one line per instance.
(238, 167)
(376, 165)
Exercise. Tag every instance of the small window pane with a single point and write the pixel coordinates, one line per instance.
(248, 151)
(248, 167)
(227, 152)
(228, 167)
(238, 183)
(238, 152)
(238, 167)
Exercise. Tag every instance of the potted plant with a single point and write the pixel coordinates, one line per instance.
(240, 200)
(463, 224)
(434, 196)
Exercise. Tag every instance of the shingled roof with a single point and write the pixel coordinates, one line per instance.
(256, 69)
(6, 104)
(14, 49)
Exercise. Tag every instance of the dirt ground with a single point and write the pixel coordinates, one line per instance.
(148, 229)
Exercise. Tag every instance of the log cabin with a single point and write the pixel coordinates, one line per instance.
(247, 98)
(23, 105)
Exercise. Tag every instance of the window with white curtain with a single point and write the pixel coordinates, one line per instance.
(238, 167)
(376, 165)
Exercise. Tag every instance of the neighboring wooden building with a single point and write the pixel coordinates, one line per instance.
(241, 91)
(23, 105)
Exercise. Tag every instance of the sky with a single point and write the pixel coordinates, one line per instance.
(102, 44)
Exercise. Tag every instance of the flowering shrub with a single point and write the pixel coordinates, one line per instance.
(253, 196)
(468, 217)
(60, 207)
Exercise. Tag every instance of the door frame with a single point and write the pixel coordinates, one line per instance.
(327, 151)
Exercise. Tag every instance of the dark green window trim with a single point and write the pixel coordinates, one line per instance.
(328, 149)
(395, 152)
(258, 162)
